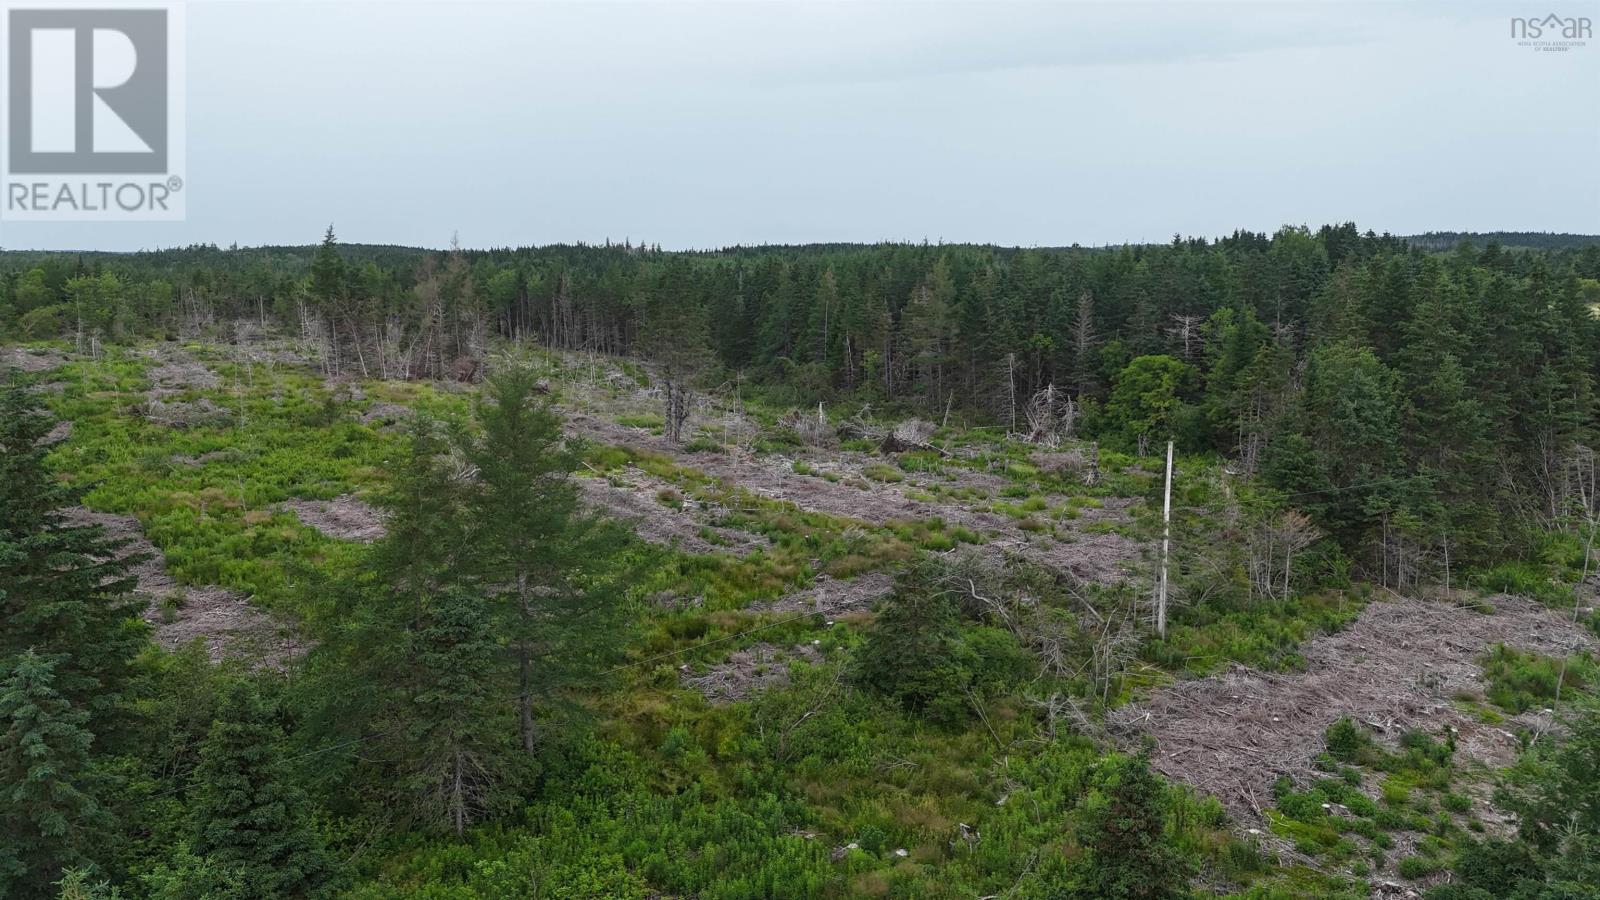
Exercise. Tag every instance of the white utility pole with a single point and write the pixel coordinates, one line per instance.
(1166, 545)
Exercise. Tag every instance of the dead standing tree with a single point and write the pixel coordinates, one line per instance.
(1273, 541)
(1186, 331)
(1051, 416)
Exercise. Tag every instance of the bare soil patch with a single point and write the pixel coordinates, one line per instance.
(747, 671)
(833, 597)
(1095, 556)
(31, 360)
(345, 517)
(1091, 555)
(207, 457)
(635, 496)
(1398, 667)
(385, 414)
(176, 371)
(61, 431)
(229, 626)
(602, 429)
(1100, 556)
(201, 413)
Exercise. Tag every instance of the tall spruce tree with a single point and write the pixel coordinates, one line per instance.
(1343, 461)
(63, 594)
(49, 815)
(490, 595)
(408, 671)
(675, 335)
(249, 818)
(552, 573)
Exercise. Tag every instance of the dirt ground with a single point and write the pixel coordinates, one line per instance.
(345, 517)
(30, 361)
(1093, 555)
(207, 457)
(746, 671)
(385, 414)
(833, 597)
(633, 496)
(201, 413)
(60, 432)
(224, 620)
(1398, 667)
(175, 372)
(1097, 556)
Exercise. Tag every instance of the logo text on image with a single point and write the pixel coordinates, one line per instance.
(94, 127)
(1552, 33)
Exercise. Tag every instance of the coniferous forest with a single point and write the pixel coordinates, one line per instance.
(803, 571)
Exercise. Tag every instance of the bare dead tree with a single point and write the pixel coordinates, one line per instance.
(1404, 557)
(1115, 644)
(813, 429)
(912, 434)
(1051, 416)
(1186, 331)
(1058, 709)
(1085, 340)
(1011, 390)
(1272, 542)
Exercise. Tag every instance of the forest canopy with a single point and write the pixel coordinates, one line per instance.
(1356, 372)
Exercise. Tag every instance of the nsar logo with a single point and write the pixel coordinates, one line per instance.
(1552, 33)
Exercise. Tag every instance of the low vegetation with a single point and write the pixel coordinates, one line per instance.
(779, 608)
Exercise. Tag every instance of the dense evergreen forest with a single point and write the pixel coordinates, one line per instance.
(785, 684)
(1401, 386)
(1519, 240)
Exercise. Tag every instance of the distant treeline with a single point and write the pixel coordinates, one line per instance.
(1414, 401)
(1510, 240)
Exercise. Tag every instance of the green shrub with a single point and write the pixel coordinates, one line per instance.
(1414, 867)
(1123, 826)
(1396, 793)
(1345, 740)
(1495, 865)
(1389, 818)
(1526, 580)
(641, 420)
(883, 473)
(1519, 680)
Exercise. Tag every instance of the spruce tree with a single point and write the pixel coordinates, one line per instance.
(552, 573)
(328, 271)
(1124, 827)
(249, 817)
(907, 652)
(63, 594)
(1343, 462)
(48, 811)
(675, 336)
(490, 595)
(461, 762)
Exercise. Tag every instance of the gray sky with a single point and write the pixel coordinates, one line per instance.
(701, 124)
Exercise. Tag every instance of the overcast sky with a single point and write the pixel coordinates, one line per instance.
(708, 124)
